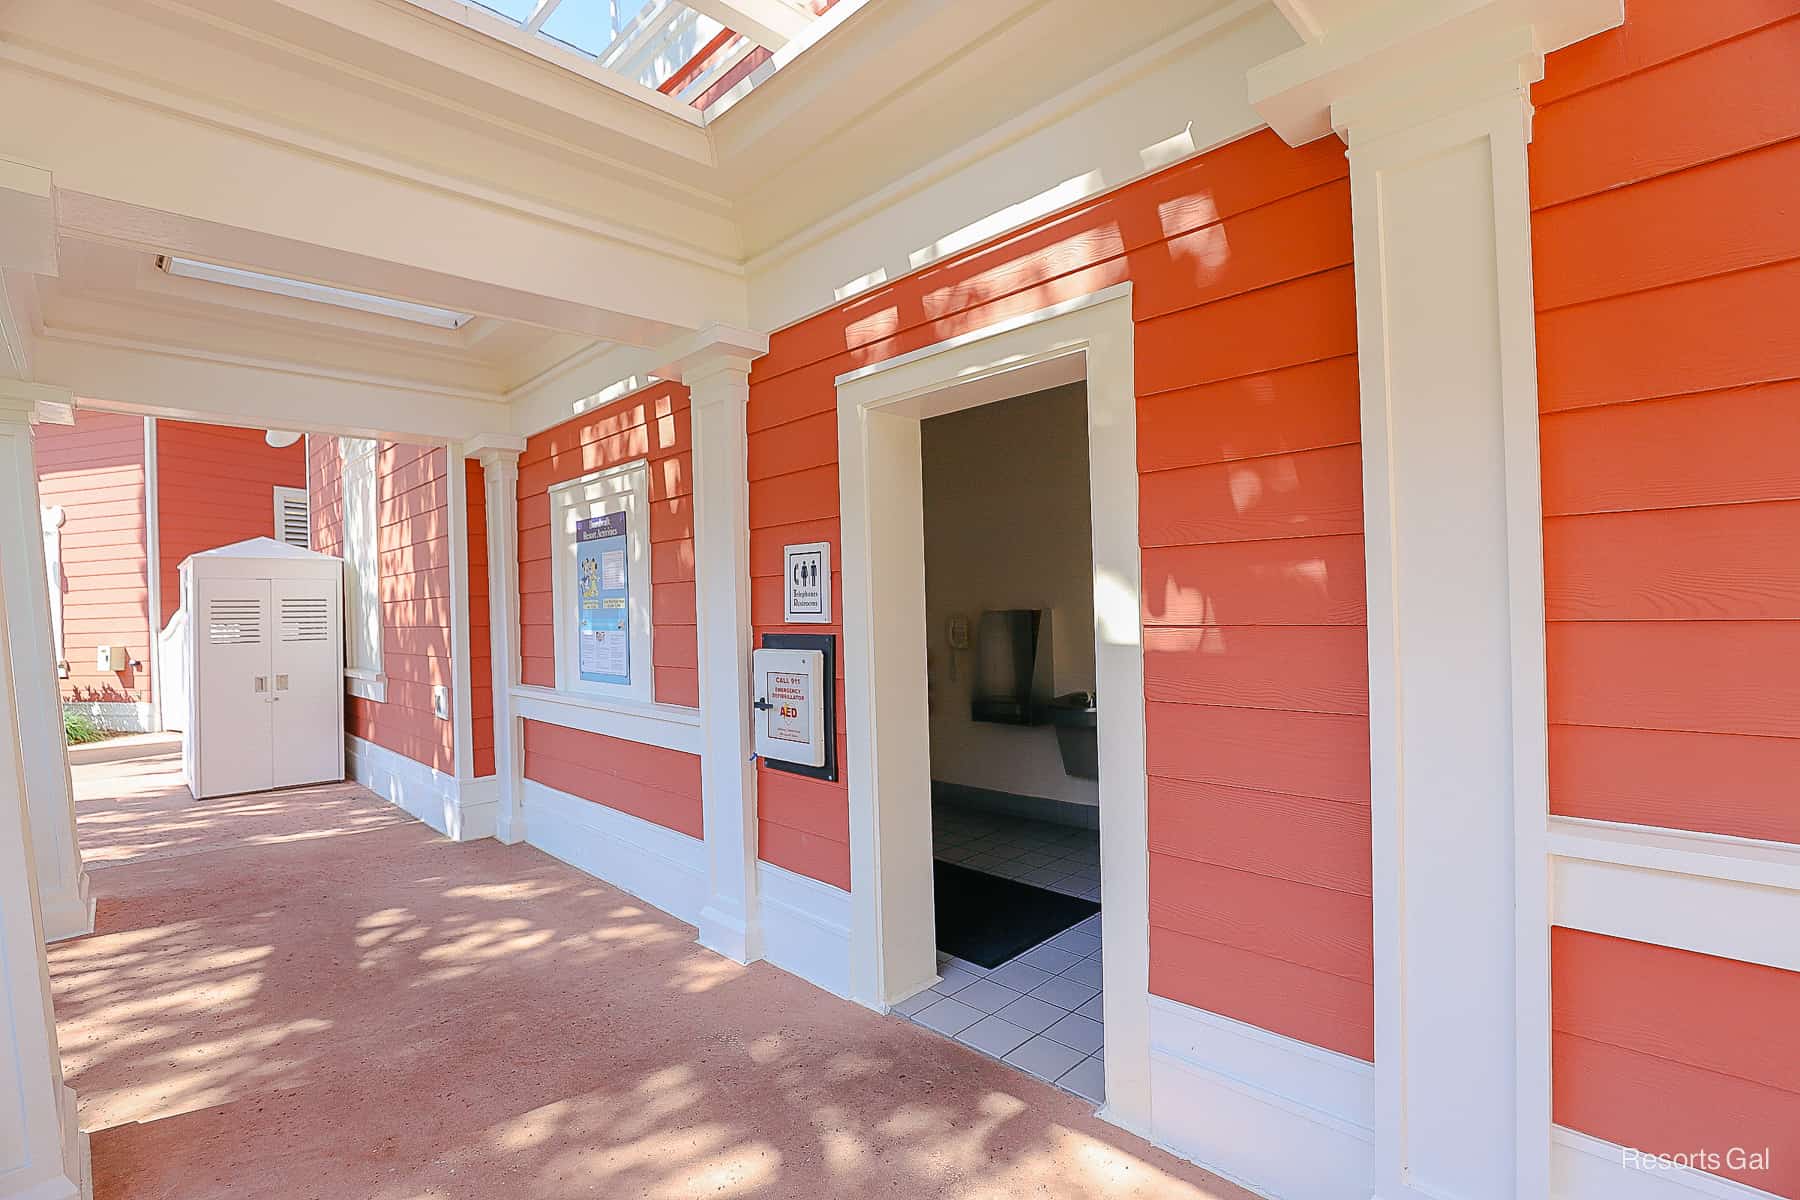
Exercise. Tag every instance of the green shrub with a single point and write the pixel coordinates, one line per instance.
(79, 727)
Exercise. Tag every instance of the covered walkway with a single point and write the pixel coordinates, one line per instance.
(309, 994)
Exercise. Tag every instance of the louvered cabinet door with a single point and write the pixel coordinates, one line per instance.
(308, 679)
(234, 688)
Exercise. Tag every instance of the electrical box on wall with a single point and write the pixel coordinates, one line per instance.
(109, 658)
(794, 703)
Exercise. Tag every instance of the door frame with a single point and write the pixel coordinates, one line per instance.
(893, 951)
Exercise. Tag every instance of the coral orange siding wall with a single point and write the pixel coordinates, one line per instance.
(481, 660)
(413, 527)
(655, 784)
(650, 424)
(649, 782)
(94, 470)
(215, 485)
(1251, 523)
(1667, 258)
(1671, 1052)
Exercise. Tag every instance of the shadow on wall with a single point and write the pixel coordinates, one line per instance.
(283, 988)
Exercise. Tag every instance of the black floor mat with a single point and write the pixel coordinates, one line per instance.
(986, 920)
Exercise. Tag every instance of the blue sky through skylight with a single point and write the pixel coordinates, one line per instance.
(591, 25)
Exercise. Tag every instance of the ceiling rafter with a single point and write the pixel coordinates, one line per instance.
(771, 24)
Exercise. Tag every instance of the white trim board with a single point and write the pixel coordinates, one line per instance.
(1276, 1115)
(880, 410)
(435, 798)
(152, 573)
(659, 866)
(670, 726)
(1726, 896)
(805, 927)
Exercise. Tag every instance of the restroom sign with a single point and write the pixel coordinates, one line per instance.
(807, 598)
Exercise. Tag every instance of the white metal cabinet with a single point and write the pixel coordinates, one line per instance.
(306, 682)
(264, 660)
(232, 685)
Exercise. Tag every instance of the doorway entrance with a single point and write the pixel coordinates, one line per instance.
(1015, 818)
(882, 410)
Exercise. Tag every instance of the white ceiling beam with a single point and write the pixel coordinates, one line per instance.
(212, 193)
(769, 23)
(27, 248)
(184, 385)
(540, 14)
(27, 218)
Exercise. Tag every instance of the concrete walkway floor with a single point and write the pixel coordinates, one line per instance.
(307, 994)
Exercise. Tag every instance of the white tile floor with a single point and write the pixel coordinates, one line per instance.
(1042, 1021)
(1039, 1011)
(1058, 857)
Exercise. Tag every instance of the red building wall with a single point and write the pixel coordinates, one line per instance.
(653, 424)
(413, 527)
(650, 424)
(215, 485)
(1251, 527)
(94, 470)
(1667, 258)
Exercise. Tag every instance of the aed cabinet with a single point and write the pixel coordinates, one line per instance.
(794, 705)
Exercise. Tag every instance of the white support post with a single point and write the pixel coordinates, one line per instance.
(67, 906)
(1456, 649)
(43, 1153)
(1436, 111)
(462, 728)
(499, 458)
(716, 369)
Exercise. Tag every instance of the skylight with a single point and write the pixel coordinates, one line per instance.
(300, 289)
(696, 53)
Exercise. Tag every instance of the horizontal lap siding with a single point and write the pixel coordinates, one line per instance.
(648, 782)
(215, 485)
(655, 784)
(1666, 245)
(94, 470)
(481, 662)
(1251, 527)
(412, 502)
(1673, 1052)
(1667, 261)
(651, 424)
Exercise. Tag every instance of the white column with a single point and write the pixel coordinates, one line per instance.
(43, 1154)
(67, 907)
(716, 369)
(1456, 642)
(1436, 111)
(499, 458)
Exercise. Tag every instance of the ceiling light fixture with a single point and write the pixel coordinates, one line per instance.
(300, 289)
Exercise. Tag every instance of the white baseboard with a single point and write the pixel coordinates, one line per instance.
(68, 914)
(805, 927)
(462, 811)
(1282, 1118)
(659, 866)
(121, 716)
(1591, 1168)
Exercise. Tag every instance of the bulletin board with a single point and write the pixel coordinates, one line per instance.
(603, 598)
(601, 602)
